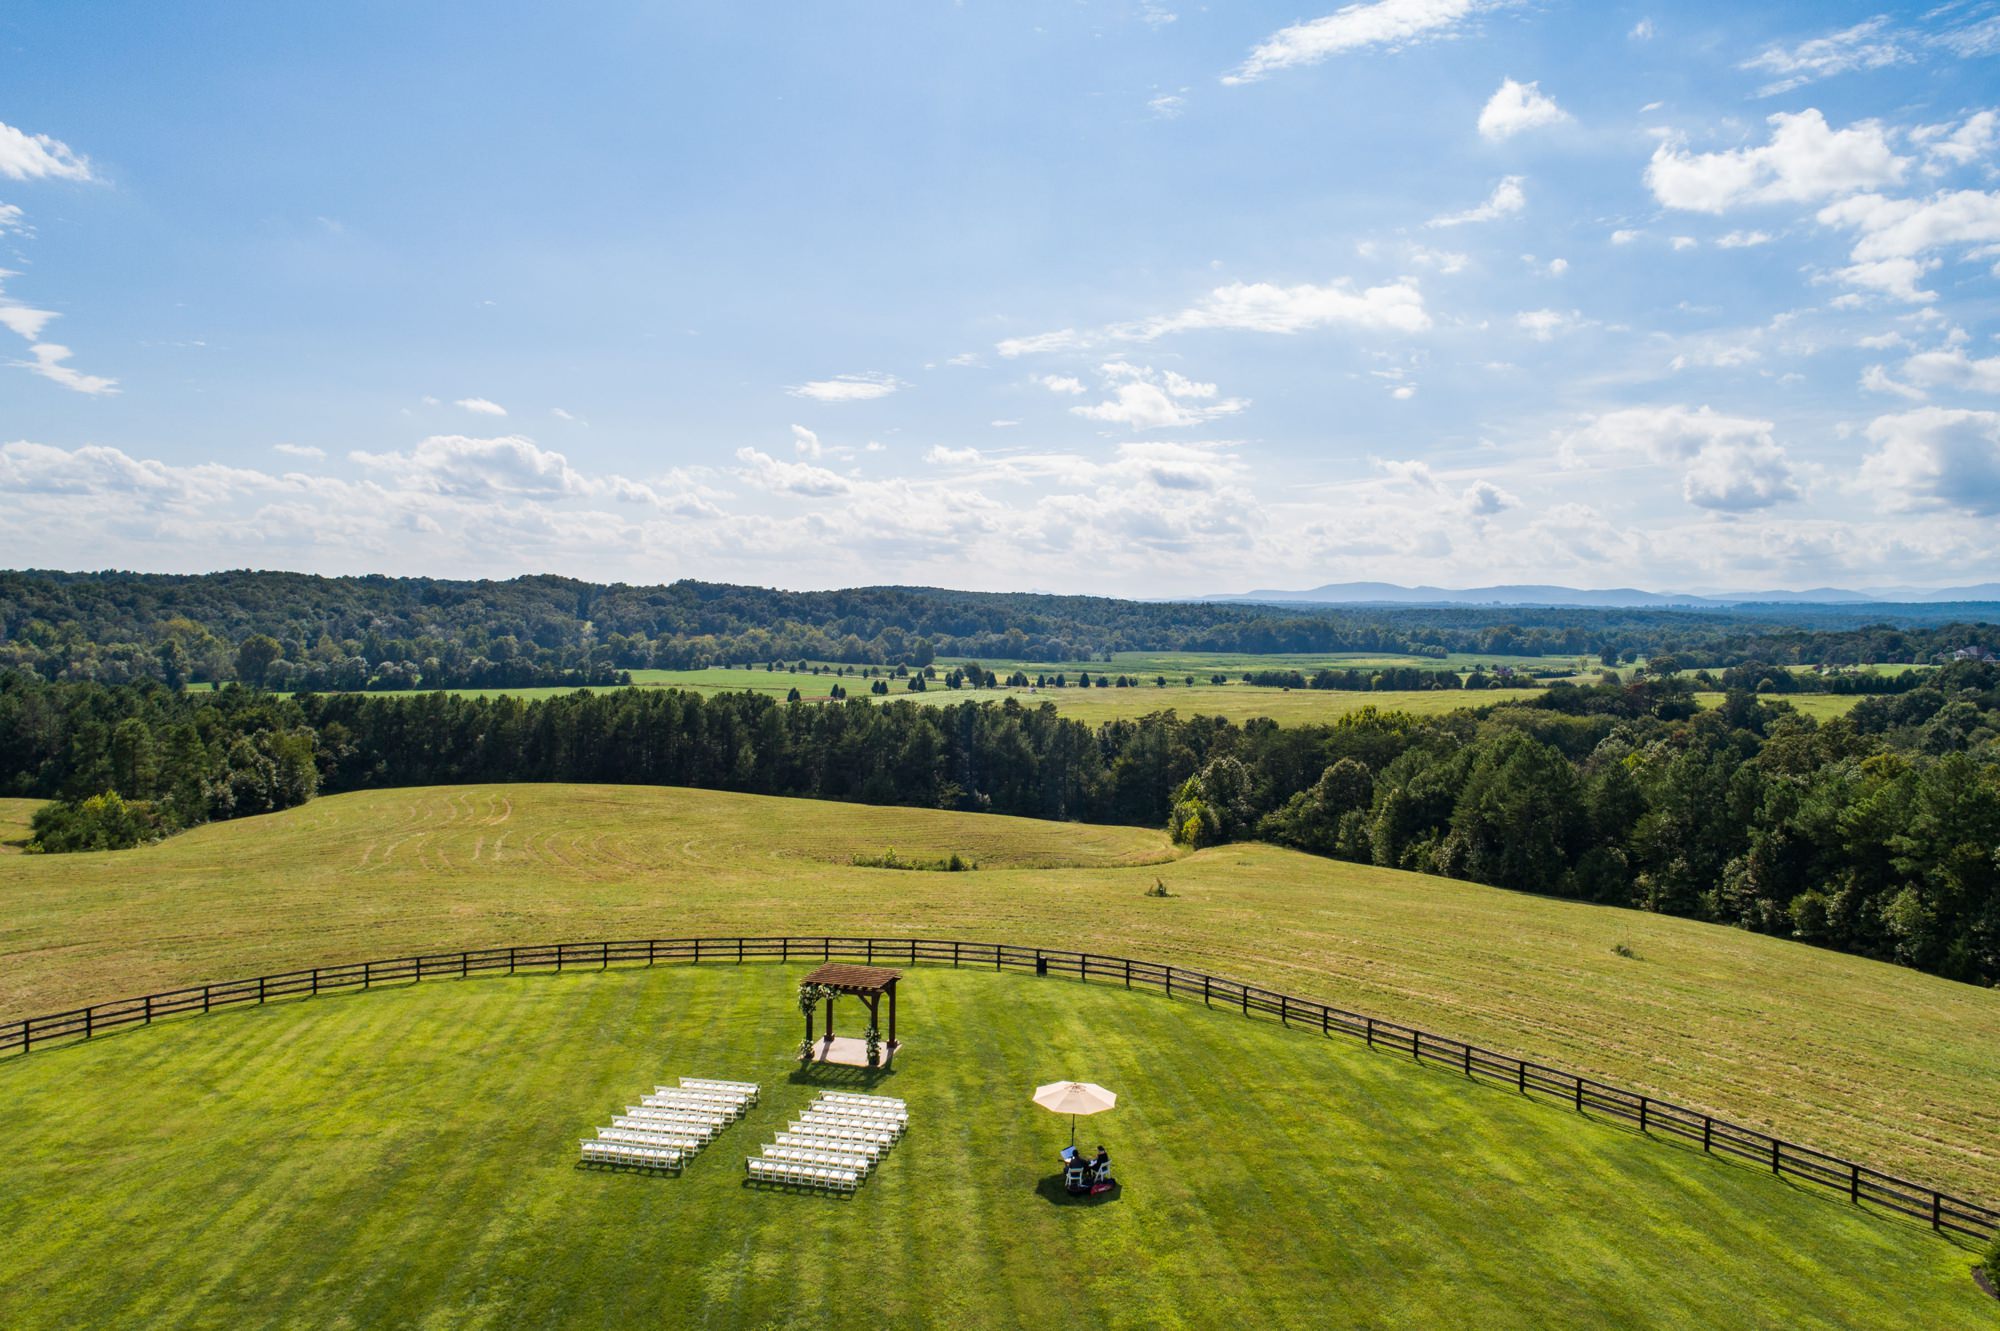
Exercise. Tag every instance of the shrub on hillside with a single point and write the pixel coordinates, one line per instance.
(101, 822)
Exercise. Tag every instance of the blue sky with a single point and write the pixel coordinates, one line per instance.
(1124, 297)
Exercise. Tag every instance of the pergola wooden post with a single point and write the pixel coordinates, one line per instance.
(869, 984)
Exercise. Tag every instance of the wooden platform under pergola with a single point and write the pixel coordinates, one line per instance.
(867, 983)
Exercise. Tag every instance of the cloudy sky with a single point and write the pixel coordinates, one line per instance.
(1126, 296)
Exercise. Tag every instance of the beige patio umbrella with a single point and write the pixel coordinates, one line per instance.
(1073, 1098)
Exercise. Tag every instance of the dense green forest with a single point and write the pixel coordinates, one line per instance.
(1877, 833)
(290, 631)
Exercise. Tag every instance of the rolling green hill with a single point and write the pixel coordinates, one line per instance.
(1886, 1064)
(407, 1157)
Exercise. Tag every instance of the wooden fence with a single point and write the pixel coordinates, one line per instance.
(1942, 1211)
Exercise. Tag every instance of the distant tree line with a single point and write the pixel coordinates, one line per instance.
(292, 631)
(1878, 833)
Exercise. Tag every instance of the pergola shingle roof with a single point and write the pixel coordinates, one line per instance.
(852, 979)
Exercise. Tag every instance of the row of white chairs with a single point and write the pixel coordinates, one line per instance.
(766, 1170)
(693, 1119)
(849, 1098)
(821, 1141)
(840, 1114)
(745, 1094)
(643, 1137)
(666, 1132)
(602, 1152)
(833, 1127)
(749, 1088)
(808, 1155)
(720, 1102)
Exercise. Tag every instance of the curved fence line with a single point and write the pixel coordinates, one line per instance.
(1944, 1212)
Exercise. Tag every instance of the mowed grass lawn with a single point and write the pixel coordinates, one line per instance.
(407, 1158)
(1879, 1062)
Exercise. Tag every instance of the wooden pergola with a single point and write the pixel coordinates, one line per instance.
(867, 983)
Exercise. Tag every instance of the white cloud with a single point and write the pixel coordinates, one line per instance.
(1484, 499)
(480, 406)
(1624, 236)
(1257, 307)
(1868, 45)
(1935, 458)
(507, 467)
(1263, 307)
(1403, 392)
(1146, 399)
(306, 451)
(938, 455)
(1804, 161)
(1507, 199)
(1392, 24)
(22, 320)
(1877, 379)
(1543, 325)
(1684, 243)
(26, 156)
(560, 414)
(1742, 240)
(1954, 369)
(1642, 31)
(1947, 146)
(1908, 228)
(1892, 277)
(1732, 463)
(1557, 267)
(800, 479)
(805, 443)
(48, 362)
(1061, 383)
(1517, 107)
(1167, 106)
(13, 221)
(1063, 339)
(848, 387)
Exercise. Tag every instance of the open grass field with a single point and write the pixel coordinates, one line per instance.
(1874, 1061)
(1819, 706)
(406, 1158)
(14, 816)
(1235, 701)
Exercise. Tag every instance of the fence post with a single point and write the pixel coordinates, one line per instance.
(1284, 1010)
(464, 959)
(954, 954)
(697, 951)
(1325, 1020)
(1243, 992)
(88, 1013)
(1707, 1130)
(1521, 1076)
(1937, 1210)
(149, 1009)
(27, 1035)
(1579, 1095)
(604, 955)
(510, 961)
(260, 998)
(1468, 1060)
(315, 982)
(367, 973)
(739, 950)
(1416, 1048)
(204, 997)
(1774, 1156)
(1853, 1182)
(1371, 1031)
(826, 950)
(785, 948)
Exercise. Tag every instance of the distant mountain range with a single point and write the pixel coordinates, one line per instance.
(1530, 594)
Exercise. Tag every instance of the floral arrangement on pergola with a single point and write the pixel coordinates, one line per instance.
(867, 983)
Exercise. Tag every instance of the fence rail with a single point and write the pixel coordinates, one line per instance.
(1942, 1211)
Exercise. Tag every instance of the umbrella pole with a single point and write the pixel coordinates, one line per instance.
(1072, 1129)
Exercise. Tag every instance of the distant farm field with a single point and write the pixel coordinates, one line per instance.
(14, 816)
(1819, 706)
(407, 1157)
(1879, 1062)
